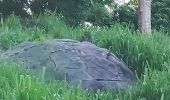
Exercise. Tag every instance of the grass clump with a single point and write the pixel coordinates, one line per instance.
(135, 49)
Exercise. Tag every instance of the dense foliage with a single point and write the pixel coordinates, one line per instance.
(75, 12)
(161, 14)
(8, 7)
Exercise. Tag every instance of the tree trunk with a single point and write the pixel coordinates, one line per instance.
(144, 16)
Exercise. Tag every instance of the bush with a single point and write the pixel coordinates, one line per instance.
(161, 15)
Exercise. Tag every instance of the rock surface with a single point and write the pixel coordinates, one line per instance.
(76, 62)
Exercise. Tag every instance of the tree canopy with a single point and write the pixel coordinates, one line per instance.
(76, 11)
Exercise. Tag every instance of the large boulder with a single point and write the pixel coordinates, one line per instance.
(76, 62)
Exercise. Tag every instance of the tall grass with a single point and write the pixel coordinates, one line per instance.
(148, 56)
(16, 84)
(135, 49)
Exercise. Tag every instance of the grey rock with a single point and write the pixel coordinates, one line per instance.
(76, 62)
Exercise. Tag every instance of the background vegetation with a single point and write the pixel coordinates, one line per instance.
(75, 12)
